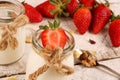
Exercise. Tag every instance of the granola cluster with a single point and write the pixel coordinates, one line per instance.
(88, 59)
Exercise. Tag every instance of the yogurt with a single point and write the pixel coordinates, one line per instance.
(10, 10)
(35, 61)
(10, 55)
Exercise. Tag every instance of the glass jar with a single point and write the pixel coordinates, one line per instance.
(13, 42)
(35, 61)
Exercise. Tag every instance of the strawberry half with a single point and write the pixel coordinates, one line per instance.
(114, 32)
(53, 36)
(32, 13)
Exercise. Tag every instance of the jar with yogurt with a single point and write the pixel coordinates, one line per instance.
(35, 61)
(12, 31)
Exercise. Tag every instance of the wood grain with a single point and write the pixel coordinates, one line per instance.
(103, 47)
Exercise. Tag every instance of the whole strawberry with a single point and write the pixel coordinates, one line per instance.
(101, 16)
(53, 36)
(52, 8)
(72, 7)
(82, 19)
(114, 32)
(32, 13)
(88, 3)
(45, 9)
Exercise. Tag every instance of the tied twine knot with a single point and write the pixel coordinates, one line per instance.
(7, 36)
(53, 59)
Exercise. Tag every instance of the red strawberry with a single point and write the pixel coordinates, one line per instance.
(72, 6)
(54, 36)
(52, 8)
(82, 19)
(101, 17)
(32, 13)
(88, 3)
(45, 9)
(114, 32)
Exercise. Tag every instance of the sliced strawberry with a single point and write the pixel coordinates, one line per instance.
(32, 13)
(53, 36)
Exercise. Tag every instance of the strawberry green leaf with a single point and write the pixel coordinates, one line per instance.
(65, 14)
(54, 2)
(113, 17)
(64, 7)
(67, 2)
(23, 2)
(50, 25)
(59, 1)
(107, 3)
(55, 24)
(58, 23)
(81, 5)
(60, 7)
(53, 11)
(43, 27)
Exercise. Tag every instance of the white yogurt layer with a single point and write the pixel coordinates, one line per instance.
(11, 55)
(35, 61)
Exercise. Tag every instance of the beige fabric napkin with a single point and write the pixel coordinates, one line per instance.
(83, 73)
(20, 66)
(16, 68)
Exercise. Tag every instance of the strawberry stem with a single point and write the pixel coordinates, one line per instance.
(113, 17)
(67, 2)
(43, 27)
(107, 3)
(51, 25)
(81, 5)
(53, 2)
(60, 7)
(23, 2)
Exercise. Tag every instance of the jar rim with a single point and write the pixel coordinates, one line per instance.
(16, 4)
(70, 44)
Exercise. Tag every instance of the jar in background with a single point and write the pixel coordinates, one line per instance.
(12, 32)
(35, 61)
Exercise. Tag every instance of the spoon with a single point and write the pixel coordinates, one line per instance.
(87, 59)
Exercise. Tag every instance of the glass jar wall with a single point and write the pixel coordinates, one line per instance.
(36, 61)
(12, 32)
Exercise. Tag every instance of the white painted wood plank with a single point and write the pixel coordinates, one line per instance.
(103, 47)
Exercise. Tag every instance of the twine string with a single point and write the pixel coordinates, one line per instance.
(53, 59)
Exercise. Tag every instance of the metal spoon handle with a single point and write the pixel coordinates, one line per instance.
(109, 69)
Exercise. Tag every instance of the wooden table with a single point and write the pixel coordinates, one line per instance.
(103, 47)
